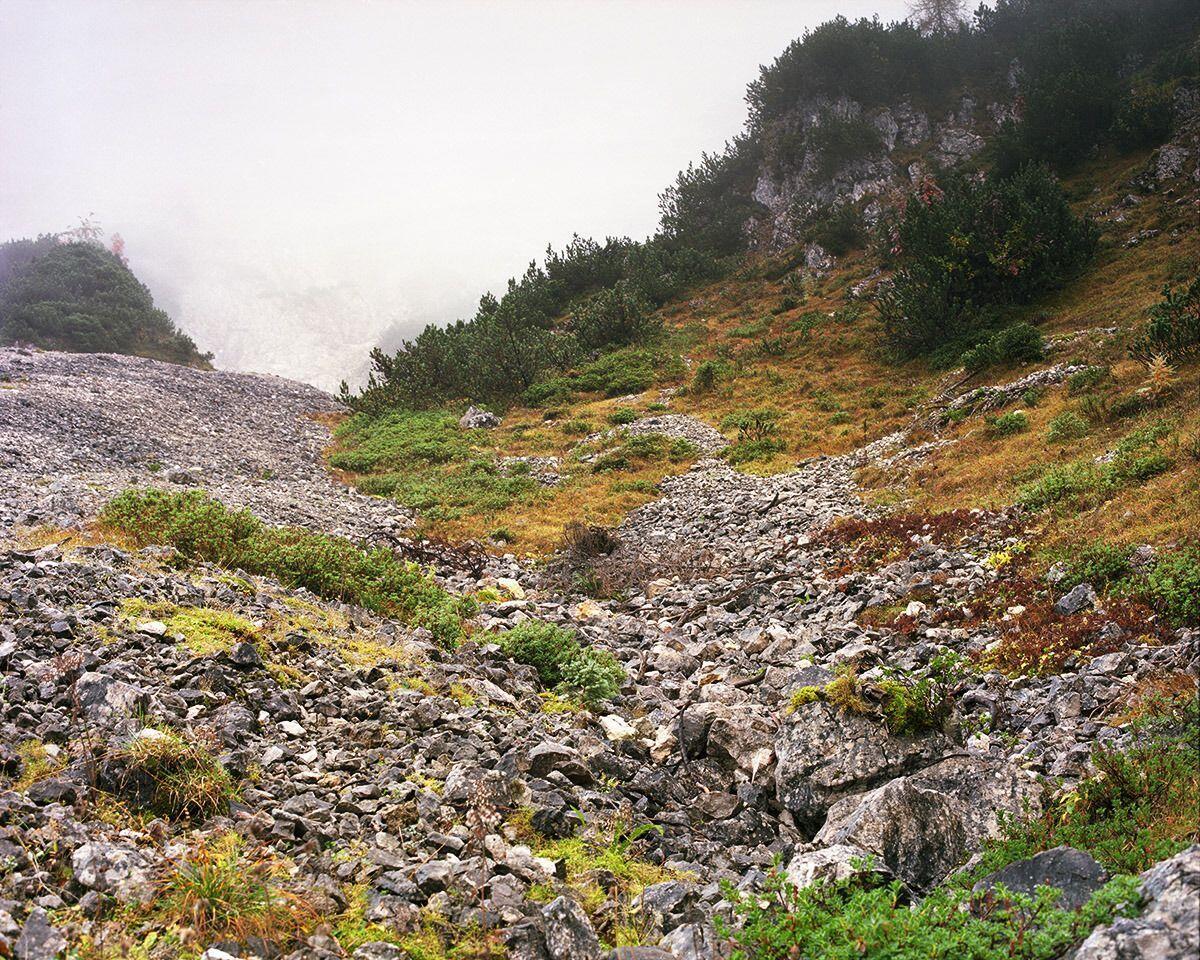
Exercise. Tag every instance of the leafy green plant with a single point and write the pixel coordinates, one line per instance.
(846, 921)
(1081, 381)
(1067, 426)
(201, 527)
(1007, 424)
(562, 662)
(1087, 482)
(1019, 343)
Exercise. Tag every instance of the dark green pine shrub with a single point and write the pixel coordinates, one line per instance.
(1020, 343)
(562, 662)
(1173, 331)
(82, 298)
(966, 247)
(201, 527)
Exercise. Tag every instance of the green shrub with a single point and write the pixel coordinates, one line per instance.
(1020, 343)
(1067, 426)
(201, 527)
(1086, 483)
(838, 229)
(618, 315)
(562, 662)
(706, 376)
(844, 921)
(1081, 381)
(838, 141)
(1172, 585)
(748, 451)
(1098, 563)
(1173, 331)
(1005, 425)
(965, 248)
(400, 439)
(622, 416)
(1144, 117)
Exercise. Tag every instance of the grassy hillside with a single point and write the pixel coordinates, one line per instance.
(804, 352)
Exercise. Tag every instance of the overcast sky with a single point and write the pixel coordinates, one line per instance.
(294, 179)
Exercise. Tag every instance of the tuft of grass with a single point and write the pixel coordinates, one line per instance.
(37, 763)
(223, 890)
(173, 776)
(332, 567)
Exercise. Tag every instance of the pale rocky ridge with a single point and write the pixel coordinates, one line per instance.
(702, 741)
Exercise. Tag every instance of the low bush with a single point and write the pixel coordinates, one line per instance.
(562, 662)
(201, 527)
(1019, 343)
(844, 920)
(1007, 424)
(1085, 483)
(1081, 381)
(706, 376)
(1067, 426)
(750, 451)
(838, 229)
(401, 439)
(622, 416)
(1173, 330)
(616, 316)
(838, 141)
(619, 373)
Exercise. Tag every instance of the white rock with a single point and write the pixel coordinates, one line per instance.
(617, 728)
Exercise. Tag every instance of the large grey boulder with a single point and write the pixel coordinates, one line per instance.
(568, 932)
(1075, 874)
(825, 754)
(120, 870)
(923, 825)
(39, 940)
(1168, 927)
(106, 701)
(476, 419)
(830, 864)
(695, 941)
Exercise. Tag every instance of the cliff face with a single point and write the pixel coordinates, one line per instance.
(795, 180)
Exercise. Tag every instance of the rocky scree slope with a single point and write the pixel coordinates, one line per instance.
(400, 791)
